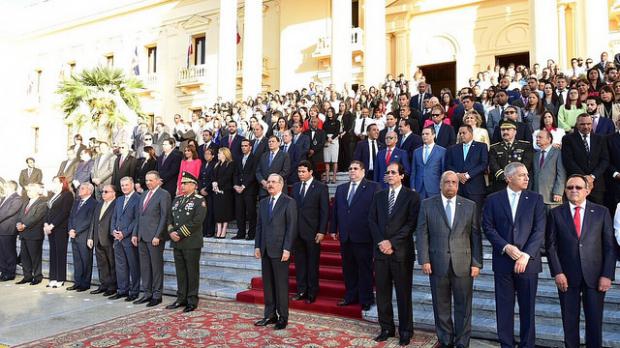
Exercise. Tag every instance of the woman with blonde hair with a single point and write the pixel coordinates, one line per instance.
(473, 119)
(223, 191)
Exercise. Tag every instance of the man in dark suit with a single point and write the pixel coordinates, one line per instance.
(586, 154)
(350, 220)
(317, 142)
(523, 130)
(259, 144)
(469, 160)
(124, 218)
(208, 143)
(80, 221)
(100, 239)
(613, 171)
(30, 175)
(391, 125)
(467, 104)
(232, 141)
(30, 228)
(10, 207)
(417, 101)
(313, 209)
(581, 250)
(366, 150)
(124, 165)
(408, 141)
(275, 233)
(246, 192)
(273, 161)
(600, 125)
(391, 154)
(450, 223)
(392, 218)
(496, 115)
(295, 153)
(549, 174)
(514, 223)
(300, 140)
(149, 236)
(168, 166)
(427, 165)
(444, 133)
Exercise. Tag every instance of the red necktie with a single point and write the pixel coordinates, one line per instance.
(146, 201)
(388, 156)
(542, 158)
(230, 139)
(577, 221)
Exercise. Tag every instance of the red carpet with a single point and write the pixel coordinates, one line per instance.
(331, 286)
(224, 324)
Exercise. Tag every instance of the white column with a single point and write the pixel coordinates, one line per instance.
(544, 31)
(227, 53)
(252, 48)
(401, 51)
(341, 43)
(374, 42)
(596, 28)
(562, 35)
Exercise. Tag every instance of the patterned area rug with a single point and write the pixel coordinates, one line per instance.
(225, 324)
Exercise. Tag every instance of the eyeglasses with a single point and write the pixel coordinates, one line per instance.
(106, 191)
(390, 137)
(509, 112)
(578, 188)
(354, 168)
(147, 139)
(391, 172)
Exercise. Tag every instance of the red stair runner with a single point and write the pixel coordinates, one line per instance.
(331, 285)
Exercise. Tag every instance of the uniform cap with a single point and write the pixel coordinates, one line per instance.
(188, 178)
(506, 124)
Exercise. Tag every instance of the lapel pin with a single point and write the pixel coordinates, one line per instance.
(591, 210)
(526, 197)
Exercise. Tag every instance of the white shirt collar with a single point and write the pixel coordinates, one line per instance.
(276, 197)
(396, 190)
(582, 206)
(445, 199)
(510, 192)
(308, 182)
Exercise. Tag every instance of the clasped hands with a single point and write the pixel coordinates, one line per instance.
(520, 258)
(385, 246)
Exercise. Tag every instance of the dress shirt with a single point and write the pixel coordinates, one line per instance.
(127, 198)
(403, 139)
(617, 223)
(430, 149)
(510, 198)
(357, 186)
(104, 207)
(444, 201)
(308, 183)
(371, 161)
(275, 199)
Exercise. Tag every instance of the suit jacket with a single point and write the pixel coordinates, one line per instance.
(549, 180)
(33, 219)
(526, 231)
(313, 209)
(442, 245)
(206, 176)
(397, 156)
(605, 126)
(202, 148)
(295, 153)
(383, 133)
(103, 168)
(475, 165)
(169, 171)
(80, 219)
(577, 161)
(412, 142)
(142, 167)
(276, 233)
(9, 212)
(281, 164)
(397, 227)
(246, 175)
(35, 177)
(414, 102)
(589, 257)
(259, 147)
(128, 168)
(303, 145)
(58, 213)
(100, 228)
(151, 220)
(125, 220)
(362, 152)
(69, 171)
(351, 222)
(459, 113)
(446, 136)
(223, 174)
(316, 144)
(235, 147)
(495, 115)
(427, 175)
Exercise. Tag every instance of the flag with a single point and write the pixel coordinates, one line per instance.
(238, 36)
(190, 50)
(135, 63)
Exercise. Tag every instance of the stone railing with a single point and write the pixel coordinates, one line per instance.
(323, 45)
(195, 73)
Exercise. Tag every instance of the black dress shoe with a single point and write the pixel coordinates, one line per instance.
(384, 335)
(281, 324)
(98, 291)
(189, 308)
(117, 296)
(176, 305)
(366, 307)
(237, 237)
(24, 281)
(154, 302)
(299, 296)
(35, 281)
(73, 287)
(142, 300)
(404, 341)
(266, 321)
(346, 303)
(109, 293)
(6, 278)
(131, 298)
(81, 289)
(249, 238)
(310, 299)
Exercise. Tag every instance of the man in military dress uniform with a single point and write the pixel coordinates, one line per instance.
(507, 151)
(185, 231)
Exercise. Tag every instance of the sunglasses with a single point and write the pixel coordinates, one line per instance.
(436, 115)
(147, 139)
(391, 172)
(578, 188)
(509, 112)
(354, 168)
(106, 191)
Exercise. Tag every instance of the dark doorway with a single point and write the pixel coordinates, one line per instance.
(521, 58)
(440, 76)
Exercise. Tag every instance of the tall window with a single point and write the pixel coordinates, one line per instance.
(37, 85)
(355, 14)
(109, 60)
(199, 50)
(152, 54)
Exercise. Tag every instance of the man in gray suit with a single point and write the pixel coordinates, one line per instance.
(149, 236)
(273, 161)
(100, 239)
(275, 232)
(449, 247)
(101, 174)
(549, 174)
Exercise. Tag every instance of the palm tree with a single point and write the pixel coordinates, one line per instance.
(102, 98)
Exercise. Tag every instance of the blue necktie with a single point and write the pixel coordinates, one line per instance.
(271, 204)
(425, 153)
(465, 151)
(270, 158)
(351, 193)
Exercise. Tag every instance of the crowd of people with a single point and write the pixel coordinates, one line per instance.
(514, 155)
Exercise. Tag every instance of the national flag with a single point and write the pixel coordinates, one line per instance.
(190, 50)
(135, 62)
(238, 36)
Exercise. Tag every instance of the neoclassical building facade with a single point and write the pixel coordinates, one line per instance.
(191, 53)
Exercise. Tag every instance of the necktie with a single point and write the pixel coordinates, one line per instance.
(388, 156)
(302, 193)
(29, 172)
(425, 153)
(295, 138)
(164, 160)
(351, 193)
(270, 158)
(80, 205)
(513, 204)
(594, 124)
(146, 201)
(391, 201)
(245, 158)
(285, 148)
(104, 207)
(420, 101)
(542, 158)
(125, 202)
(402, 140)
(120, 162)
(585, 143)
(577, 221)
(271, 204)
(465, 151)
(230, 140)
(374, 151)
(363, 125)
(28, 208)
(449, 212)
(437, 128)
(561, 97)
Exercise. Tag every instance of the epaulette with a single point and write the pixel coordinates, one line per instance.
(498, 143)
(197, 195)
(523, 141)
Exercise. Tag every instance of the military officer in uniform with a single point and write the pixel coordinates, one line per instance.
(185, 231)
(507, 151)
